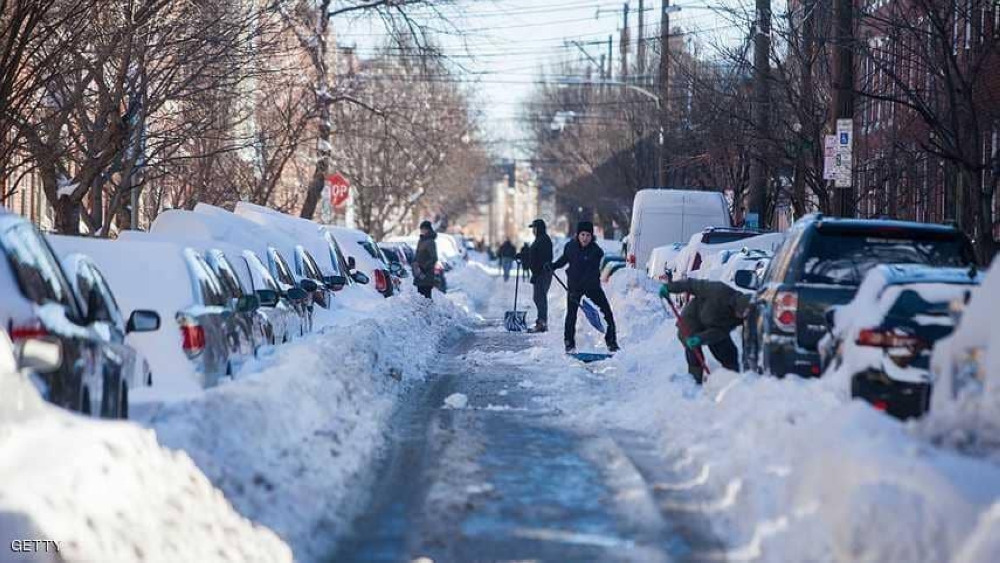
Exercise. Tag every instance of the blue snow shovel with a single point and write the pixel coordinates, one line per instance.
(589, 311)
(516, 321)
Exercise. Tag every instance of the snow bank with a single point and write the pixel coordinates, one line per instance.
(291, 445)
(785, 470)
(106, 491)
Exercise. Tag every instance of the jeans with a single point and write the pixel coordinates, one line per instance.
(540, 293)
(596, 295)
(506, 263)
(724, 351)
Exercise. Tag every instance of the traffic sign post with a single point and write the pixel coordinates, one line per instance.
(340, 190)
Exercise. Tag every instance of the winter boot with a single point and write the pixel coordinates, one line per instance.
(570, 347)
(540, 326)
(613, 347)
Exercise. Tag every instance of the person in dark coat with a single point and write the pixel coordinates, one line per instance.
(583, 256)
(713, 312)
(524, 257)
(507, 254)
(540, 264)
(425, 260)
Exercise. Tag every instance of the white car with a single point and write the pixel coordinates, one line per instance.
(966, 363)
(661, 259)
(882, 340)
(364, 256)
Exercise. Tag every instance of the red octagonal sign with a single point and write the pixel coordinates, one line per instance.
(340, 189)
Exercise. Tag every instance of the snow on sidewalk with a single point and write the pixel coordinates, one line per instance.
(106, 491)
(292, 445)
(793, 470)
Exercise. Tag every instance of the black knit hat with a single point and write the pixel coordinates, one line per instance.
(585, 226)
(426, 225)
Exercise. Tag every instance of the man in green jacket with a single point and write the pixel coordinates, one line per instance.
(713, 312)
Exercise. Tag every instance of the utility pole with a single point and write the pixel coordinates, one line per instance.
(625, 45)
(808, 111)
(843, 88)
(611, 57)
(640, 51)
(663, 83)
(757, 204)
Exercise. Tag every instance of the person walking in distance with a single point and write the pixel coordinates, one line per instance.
(583, 256)
(713, 312)
(425, 260)
(525, 257)
(507, 255)
(539, 262)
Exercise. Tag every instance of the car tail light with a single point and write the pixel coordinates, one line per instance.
(24, 332)
(881, 406)
(887, 339)
(786, 305)
(631, 260)
(192, 338)
(697, 261)
(381, 281)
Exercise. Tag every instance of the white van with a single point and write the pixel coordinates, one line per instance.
(662, 217)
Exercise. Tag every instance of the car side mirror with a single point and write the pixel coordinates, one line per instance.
(247, 304)
(308, 285)
(297, 294)
(745, 279)
(40, 355)
(335, 283)
(268, 297)
(143, 321)
(352, 263)
(360, 277)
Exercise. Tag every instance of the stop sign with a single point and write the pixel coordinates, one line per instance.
(340, 189)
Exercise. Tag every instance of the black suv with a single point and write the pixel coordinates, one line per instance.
(821, 263)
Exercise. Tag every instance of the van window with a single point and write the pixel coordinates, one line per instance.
(38, 274)
(844, 258)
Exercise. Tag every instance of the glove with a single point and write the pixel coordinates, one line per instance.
(693, 342)
(664, 292)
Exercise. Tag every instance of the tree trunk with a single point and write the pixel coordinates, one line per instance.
(322, 168)
(67, 216)
(986, 244)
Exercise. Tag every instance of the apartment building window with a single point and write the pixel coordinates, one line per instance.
(996, 18)
(968, 24)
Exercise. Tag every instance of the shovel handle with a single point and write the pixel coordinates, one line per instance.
(685, 333)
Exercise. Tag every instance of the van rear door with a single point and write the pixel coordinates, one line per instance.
(657, 227)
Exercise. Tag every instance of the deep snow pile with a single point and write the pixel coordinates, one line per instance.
(291, 445)
(792, 469)
(106, 491)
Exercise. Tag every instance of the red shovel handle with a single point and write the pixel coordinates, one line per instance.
(686, 334)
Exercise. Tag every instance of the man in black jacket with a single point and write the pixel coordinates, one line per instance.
(583, 256)
(539, 261)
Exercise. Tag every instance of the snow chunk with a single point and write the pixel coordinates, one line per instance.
(456, 401)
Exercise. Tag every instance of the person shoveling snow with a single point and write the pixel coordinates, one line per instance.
(713, 312)
(584, 280)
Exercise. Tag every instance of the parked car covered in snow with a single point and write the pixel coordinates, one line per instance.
(884, 336)
(753, 260)
(364, 257)
(662, 258)
(29, 360)
(125, 367)
(39, 303)
(704, 247)
(968, 361)
(207, 222)
(396, 258)
(820, 264)
(198, 343)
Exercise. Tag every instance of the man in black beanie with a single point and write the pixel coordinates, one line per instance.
(583, 256)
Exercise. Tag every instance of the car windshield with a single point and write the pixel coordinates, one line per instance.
(39, 275)
(372, 249)
(390, 255)
(845, 258)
